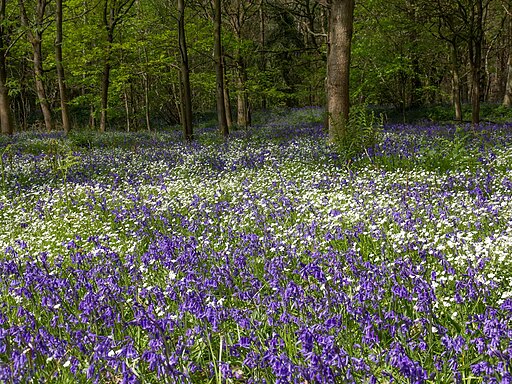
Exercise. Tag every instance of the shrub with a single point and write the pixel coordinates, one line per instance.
(362, 132)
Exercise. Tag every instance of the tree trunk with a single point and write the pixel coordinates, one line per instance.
(35, 38)
(60, 69)
(240, 102)
(39, 74)
(475, 58)
(105, 81)
(263, 60)
(145, 75)
(227, 100)
(127, 110)
(92, 117)
(185, 94)
(6, 120)
(243, 117)
(146, 101)
(341, 20)
(456, 84)
(219, 71)
(475, 94)
(507, 99)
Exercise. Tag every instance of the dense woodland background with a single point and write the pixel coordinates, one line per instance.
(120, 64)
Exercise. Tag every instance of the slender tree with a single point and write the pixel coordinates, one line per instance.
(60, 68)
(239, 13)
(185, 94)
(6, 120)
(35, 32)
(144, 58)
(219, 71)
(450, 29)
(263, 59)
(113, 13)
(456, 86)
(475, 12)
(507, 99)
(341, 19)
(462, 22)
(227, 98)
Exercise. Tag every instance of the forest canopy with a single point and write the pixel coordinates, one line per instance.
(120, 64)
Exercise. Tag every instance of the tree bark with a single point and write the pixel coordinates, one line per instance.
(227, 99)
(263, 60)
(6, 120)
(41, 92)
(143, 54)
(341, 20)
(219, 71)
(185, 94)
(507, 99)
(113, 12)
(456, 90)
(35, 39)
(105, 84)
(127, 110)
(146, 101)
(105, 78)
(60, 69)
(475, 57)
(243, 116)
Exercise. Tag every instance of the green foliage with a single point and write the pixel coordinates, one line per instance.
(496, 113)
(440, 113)
(397, 61)
(362, 132)
(450, 153)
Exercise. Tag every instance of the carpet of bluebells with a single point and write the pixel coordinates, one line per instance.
(264, 259)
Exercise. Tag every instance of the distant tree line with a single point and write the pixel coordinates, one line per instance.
(140, 64)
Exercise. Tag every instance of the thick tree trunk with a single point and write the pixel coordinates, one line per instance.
(219, 71)
(185, 94)
(60, 69)
(341, 20)
(6, 120)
